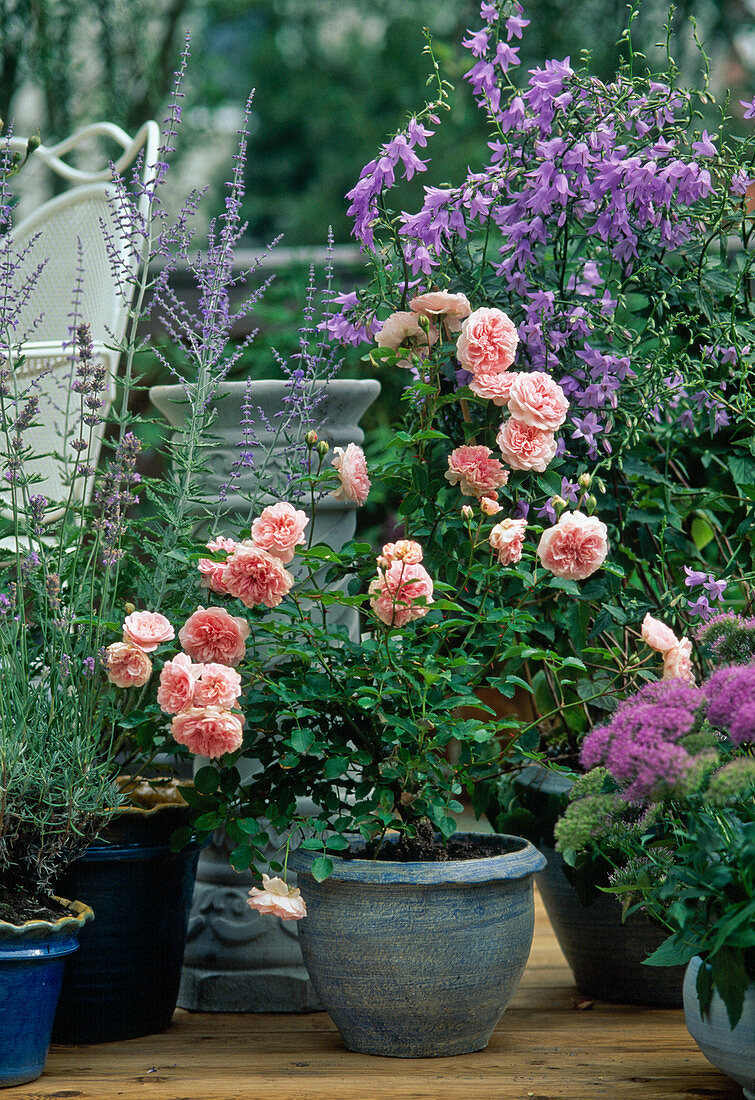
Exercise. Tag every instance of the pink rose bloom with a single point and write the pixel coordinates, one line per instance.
(575, 548)
(657, 635)
(208, 731)
(403, 550)
(441, 305)
(494, 387)
(507, 537)
(488, 342)
(394, 592)
(211, 634)
(351, 467)
(279, 529)
(212, 571)
(177, 683)
(127, 665)
(490, 506)
(147, 629)
(255, 577)
(277, 899)
(403, 330)
(677, 663)
(525, 447)
(217, 686)
(537, 400)
(475, 471)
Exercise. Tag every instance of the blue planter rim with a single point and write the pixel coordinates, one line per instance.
(77, 916)
(508, 866)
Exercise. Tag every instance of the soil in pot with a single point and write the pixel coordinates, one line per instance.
(124, 981)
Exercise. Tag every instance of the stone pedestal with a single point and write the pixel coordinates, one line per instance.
(237, 960)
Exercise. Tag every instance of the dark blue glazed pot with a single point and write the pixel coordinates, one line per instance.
(32, 959)
(417, 960)
(124, 980)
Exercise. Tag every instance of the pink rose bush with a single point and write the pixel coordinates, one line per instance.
(212, 571)
(127, 665)
(402, 590)
(403, 330)
(535, 399)
(487, 343)
(442, 307)
(213, 636)
(676, 652)
(475, 471)
(575, 547)
(279, 530)
(351, 467)
(147, 630)
(525, 447)
(277, 899)
(255, 576)
(178, 681)
(507, 538)
(208, 731)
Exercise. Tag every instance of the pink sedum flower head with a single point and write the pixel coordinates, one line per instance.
(279, 530)
(403, 330)
(525, 447)
(535, 399)
(351, 467)
(395, 591)
(217, 686)
(488, 342)
(256, 577)
(490, 506)
(494, 387)
(657, 635)
(277, 899)
(127, 665)
(677, 662)
(403, 550)
(147, 629)
(575, 548)
(212, 635)
(507, 537)
(212, 571)
(208, 731)
(442, 306)
(475, 471)
(177, 683)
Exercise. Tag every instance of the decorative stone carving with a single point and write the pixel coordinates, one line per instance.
(237, 960)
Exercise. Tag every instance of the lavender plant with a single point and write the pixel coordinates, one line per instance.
(616, 233)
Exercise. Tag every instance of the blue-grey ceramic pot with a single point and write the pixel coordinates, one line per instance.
(32, 958)
(730, 1050)
(417, 960)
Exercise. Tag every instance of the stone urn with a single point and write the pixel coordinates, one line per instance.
(237, 960)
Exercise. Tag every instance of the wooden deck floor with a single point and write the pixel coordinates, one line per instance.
(544, 1048)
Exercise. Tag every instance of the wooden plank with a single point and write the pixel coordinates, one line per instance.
(543, 1049)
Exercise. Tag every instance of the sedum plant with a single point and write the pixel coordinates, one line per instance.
(667, 805)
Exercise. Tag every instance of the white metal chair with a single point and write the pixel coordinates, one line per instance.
(68, 235)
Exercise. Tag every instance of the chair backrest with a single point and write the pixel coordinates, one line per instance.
(71, 235)
(71, 231)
